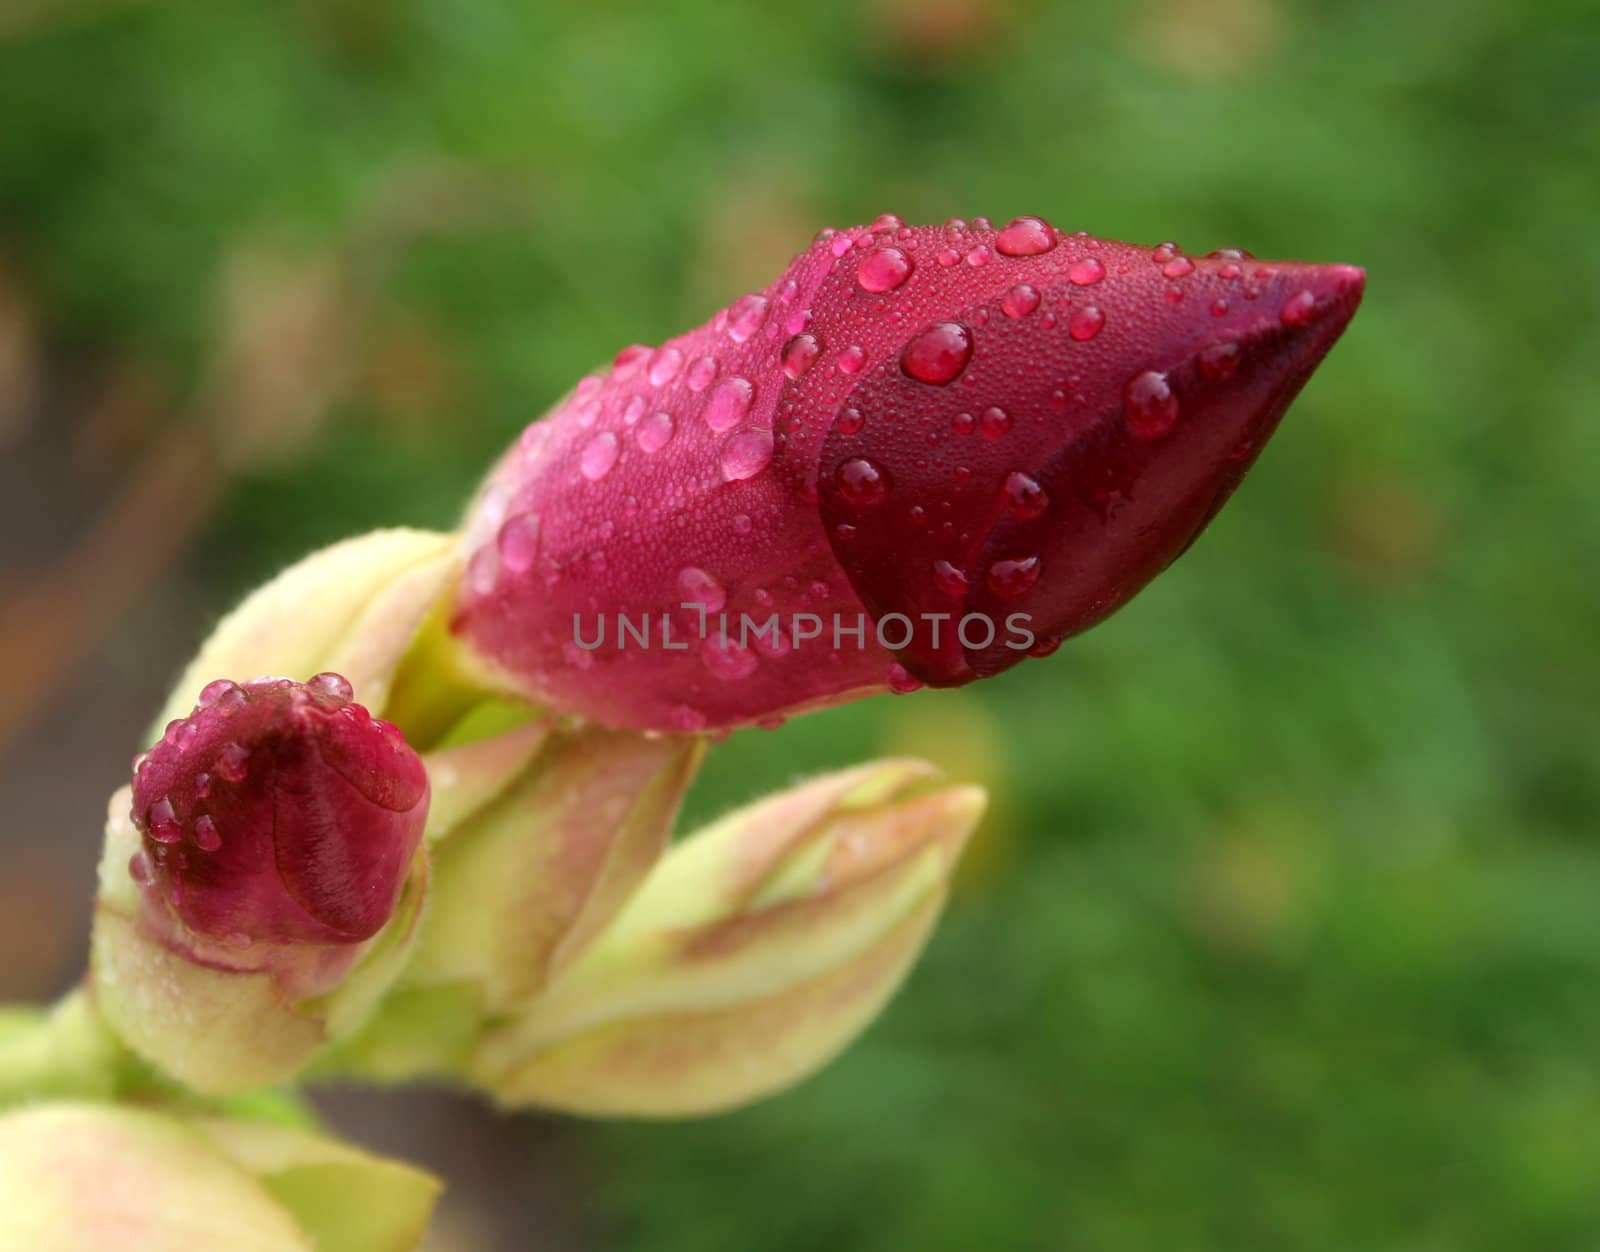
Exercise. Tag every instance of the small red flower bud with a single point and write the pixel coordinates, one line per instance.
(278, 812)
(976, 441)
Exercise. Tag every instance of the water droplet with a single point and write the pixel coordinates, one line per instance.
(917, 516)
(664, 366)
(1297, 310)
(963, 423)
(1086, 272)
(221, 692)
(701, 373)
(206, 836)
(1178, 267)
(698, 587)
(850, 420)
(139, 869)
(633, 410)
(1149, 405)
(995, 422)
(938, 354)
(629, 359)
(729, 402)
(900, 680)
(1023, 496)
(948, 257)
(850, 360)
(745, 317)
(518, 542)
(1230, 254)
(884, 270)
(1219, 308)
(232, 764)
(1013, 577)
(742, 524)
(334, 686)
(746, 454)
(862, 483)
(887, 221)
(949, 579)
(653, 433)
(979, 256)
(841, 244)
(598, 456)
(1085, 323)
(1218, 361)
(1020, 301)
(162, 823)
(173, 734)
(1164, 252)
(799, 353)
(727, 660)
(202, 785)
(1025, 236)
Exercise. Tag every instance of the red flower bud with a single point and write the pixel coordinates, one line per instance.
(975, 442)
(278, 813)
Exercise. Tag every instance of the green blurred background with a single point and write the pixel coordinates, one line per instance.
(1285, 931)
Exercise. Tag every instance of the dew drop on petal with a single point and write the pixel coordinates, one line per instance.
(232, 763)
(995, 422)
(1020, 301)
(162, 822)
(938, 354)
(948, 257)
(1023, 496)
(1025, 236)
(1085, 323)
(979, 257)
(1013, 577)
(900, 680)
(745, 455)
(633, 410)
(1086, 272)
(850, 420)
(699, 587)
(798, 355)
(963, 423)
(727, 659)
(850, 360)
(518, 542)
(1149, 405)
(1178, 267)
(664, 366)
(1297, 310)
(949, 579)
(862, 483)
(336, 686)
(883, 270)
(598, 456)
(654, 432)
(701, 373)
(223, 691)
(206, 835)
(1218, 361)
(139, 869)
(745, 317)
(729, 402)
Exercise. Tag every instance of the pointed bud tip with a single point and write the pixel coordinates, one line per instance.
(278, 812)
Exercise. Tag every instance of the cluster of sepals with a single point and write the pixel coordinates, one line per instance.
(443, 846)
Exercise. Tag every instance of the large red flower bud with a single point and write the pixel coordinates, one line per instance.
(922, 453)
(278, 813)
